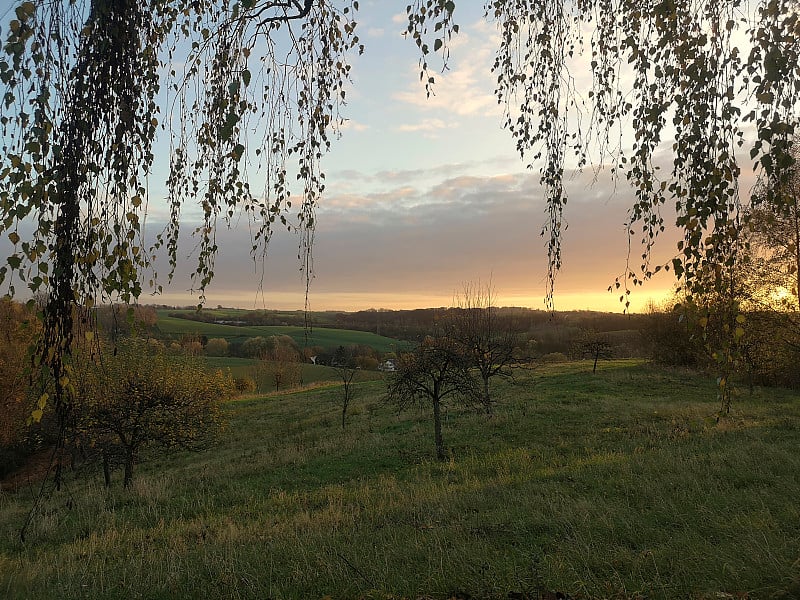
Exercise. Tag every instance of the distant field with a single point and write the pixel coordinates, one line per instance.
(619, 485)
(319, 336)
(247, 367)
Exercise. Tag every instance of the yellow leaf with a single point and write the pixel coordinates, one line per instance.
(28, 8)
(740, 319)
(89, 336)
(42, 402)
(13, 237)
(36, 415)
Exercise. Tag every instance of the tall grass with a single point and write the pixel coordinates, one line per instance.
(617, 485)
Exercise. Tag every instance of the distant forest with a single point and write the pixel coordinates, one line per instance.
(553, 332)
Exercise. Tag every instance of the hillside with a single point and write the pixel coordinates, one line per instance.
(318, 336)
(619, 485)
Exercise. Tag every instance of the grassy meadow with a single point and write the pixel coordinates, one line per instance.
(318, 336)
(309, 374)
(614, 485)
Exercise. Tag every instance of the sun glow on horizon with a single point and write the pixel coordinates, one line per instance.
(355, 301)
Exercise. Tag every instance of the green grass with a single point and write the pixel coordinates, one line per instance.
(617, 485)
(319, 336)
(311, 374)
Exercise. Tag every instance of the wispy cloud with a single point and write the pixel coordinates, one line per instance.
(433, 172)
(400, 18)
(352, 125)
(465, 87)
(426, 126)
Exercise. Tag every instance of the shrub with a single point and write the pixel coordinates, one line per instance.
(257, 347)
(191, 344)
(19, 329)
(217, 347)
(554, 357)
(667, 337)
(367, 363)
(245, 385)
(136, 398)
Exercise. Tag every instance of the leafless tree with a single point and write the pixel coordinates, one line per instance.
(486, 342)
(593, 345)
(344, 363)
(435, 371)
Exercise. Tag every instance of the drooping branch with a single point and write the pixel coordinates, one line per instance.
(83, 85)
(303, 9)
(673, 105)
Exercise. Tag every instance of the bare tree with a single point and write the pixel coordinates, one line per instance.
(486, 342)
(436, 370)
(344, 363)
(593, 345)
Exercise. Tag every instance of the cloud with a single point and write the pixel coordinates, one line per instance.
(426, 126)
(400, 18)
(375, 32)
(466, 87)
(421, 234)
(352, 125)
(346, 178)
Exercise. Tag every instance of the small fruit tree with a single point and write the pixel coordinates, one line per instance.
(139, 398)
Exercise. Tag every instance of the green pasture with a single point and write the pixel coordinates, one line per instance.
(617, 485)
(318, 336)
(310, 374)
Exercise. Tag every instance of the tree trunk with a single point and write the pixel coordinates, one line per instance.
(487, 401)
(437, 429)
(596, 357)
(106, 467)
(130, 458)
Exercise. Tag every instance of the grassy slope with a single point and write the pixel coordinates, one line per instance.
(249, 367)
(605, 486)
(319, 336)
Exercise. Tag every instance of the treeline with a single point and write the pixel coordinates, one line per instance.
(250, 318)
(414, 325)
(764, 344)
(538, 332)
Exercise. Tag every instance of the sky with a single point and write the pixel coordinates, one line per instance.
(425, 195)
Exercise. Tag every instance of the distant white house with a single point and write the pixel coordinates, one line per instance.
(389, 365)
